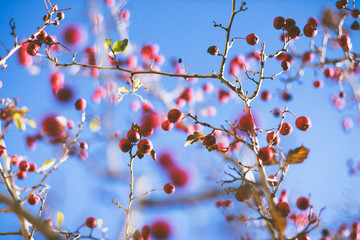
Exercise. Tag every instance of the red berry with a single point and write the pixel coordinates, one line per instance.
(72, 35)
(64, 94)
(169, 188)
(33, 199)
(294, 32)
(283, 208)
(166, 160)
(125, 145)
(303, 123)
(344, 41)
(307, 56)
(133, 135)
(265, 95)
(355, 13)
(167, 125)
(244, 192)
(272, 138)
(303, 236)
(317, 83)
(313, 21)
(146, 131)
(265, 154)
(51, 126)
(32, 48)
(178, 176)
(279, 22)
(209, 140)
(161, 229)
(285, 129)
(24, 166)
(252, 39)
(329, 72)
(80, 104)
(246, 123)
(289, 23)
(21, 174)
(310, 30)
(41, 36)
(32, 167)
(145, 146)
(285, 65)
(272, 180)
(174, 115)
(90, 222)
(303, 203)
(83, 145)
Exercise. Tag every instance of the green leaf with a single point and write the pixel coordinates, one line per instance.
(122, 89)
(120, 46)
(297, 155)
(47, 164)
(60, 218)
(107, 44)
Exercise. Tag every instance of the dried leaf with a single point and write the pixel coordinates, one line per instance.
(297, 155)
(196, 136)
(153, 154)
(60, 218)
(47, 164)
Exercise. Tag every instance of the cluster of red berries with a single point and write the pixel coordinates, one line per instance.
(144, 146)
(173, 116)
(24, 167)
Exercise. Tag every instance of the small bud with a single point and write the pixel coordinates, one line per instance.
(60, 15)
(213, 50)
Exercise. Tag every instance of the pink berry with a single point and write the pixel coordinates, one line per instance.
(145, 146)
(80, 104)
(90, 222)
(303, 123)
(169, 188)
(252, 39)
